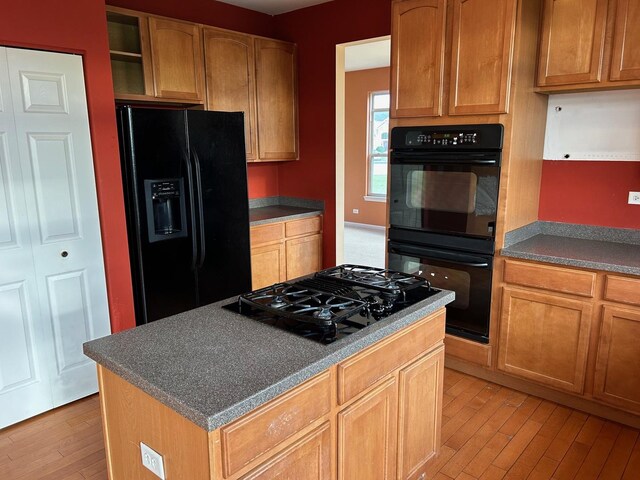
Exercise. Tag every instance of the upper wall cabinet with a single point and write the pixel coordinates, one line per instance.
(417, 34)
(130, 55)
(230, 73)
(589, 44)
(481, 52)
(277, 94)
(155, 59)
(481, 56)
(176, 55)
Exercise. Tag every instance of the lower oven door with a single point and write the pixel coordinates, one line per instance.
(468, 275)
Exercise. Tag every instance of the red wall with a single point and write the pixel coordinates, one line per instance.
(590, 193)
(317, 30)
(79, 26)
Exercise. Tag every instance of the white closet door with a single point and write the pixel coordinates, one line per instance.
(25, 345)
(54, 148)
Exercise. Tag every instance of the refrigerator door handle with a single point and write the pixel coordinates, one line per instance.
(194, 244)
(203, 251)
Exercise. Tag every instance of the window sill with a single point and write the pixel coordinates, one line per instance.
(375, 198)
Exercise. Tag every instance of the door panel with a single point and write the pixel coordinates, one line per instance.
(54, 183)
(625, 58)
(25, 347)
(55, 157)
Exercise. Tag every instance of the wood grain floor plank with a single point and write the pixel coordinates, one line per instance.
(590, 430)
(461, 400)
(566, 436)
(520, 417)
(600, 450)
(517, 445)
(632, 471)
(436, 463)
(544, 469)
(487, 455)
(571, 462)
(619, 456)
(493, 473)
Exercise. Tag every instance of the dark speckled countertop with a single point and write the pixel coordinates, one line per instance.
(281, 209)
(212, 365)
(597, 248)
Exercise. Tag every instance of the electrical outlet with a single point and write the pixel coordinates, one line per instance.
(152, 460)
(356, 211)
(634, 198)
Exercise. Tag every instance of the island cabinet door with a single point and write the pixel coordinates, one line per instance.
(617, 376)
(307, 459)
(419, 414)
(367, 435)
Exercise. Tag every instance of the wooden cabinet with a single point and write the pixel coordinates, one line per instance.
(284, 250)
(387, 430)
(420, 409)
(307, 459)
(230, 74)
(617, 372)
(176, 55)
(367, 435)
(545, 338)
(130, 54)
(572, 41)
(481, 53)
(277, 99)
(481, 56)
(589, 44)
(573, 330)
(417, 35)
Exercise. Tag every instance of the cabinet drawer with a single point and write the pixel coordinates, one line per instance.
(304, 226)
(622, 289)
(549, 278)
(271, 424)
(359, 372)
(272, 232)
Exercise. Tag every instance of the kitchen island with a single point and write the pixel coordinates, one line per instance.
(223, 396)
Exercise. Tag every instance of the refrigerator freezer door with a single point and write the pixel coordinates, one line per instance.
(154, 150)
(217, 149)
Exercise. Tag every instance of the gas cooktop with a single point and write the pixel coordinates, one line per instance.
(335, 302)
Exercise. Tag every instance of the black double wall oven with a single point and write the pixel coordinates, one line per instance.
(443, 199)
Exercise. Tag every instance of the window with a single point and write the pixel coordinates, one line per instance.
(378, 148)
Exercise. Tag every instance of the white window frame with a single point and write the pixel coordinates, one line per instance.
(374, 197)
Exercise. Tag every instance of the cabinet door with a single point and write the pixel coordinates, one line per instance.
(481, 56)
(572, 41)
(230, 74)
(277, 98)
(307, 459)
(304, 255)
(267, 265)
(417, 36)
(177, 59)
(420, 411)
(367, 436)
(544, 338)
(625, 58)
(617, 376)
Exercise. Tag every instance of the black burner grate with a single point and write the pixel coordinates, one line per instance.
(385, 281)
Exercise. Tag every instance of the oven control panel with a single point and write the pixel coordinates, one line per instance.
(417, 137)
(443, 137)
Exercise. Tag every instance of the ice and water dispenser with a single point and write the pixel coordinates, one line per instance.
(166, 211)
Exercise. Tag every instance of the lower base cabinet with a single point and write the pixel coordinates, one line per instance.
(367, 435)
(304, 255)
(385, 427)
(268, 265)
(617, 374)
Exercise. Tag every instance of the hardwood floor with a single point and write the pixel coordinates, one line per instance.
(488, 432)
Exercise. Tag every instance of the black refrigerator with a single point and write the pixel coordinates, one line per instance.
(185, 185)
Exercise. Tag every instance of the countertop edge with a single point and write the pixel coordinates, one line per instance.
(223, 417)
(286, 218)
(570, 262)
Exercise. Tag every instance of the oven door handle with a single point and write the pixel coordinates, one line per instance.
(424, 252)
(445, 158)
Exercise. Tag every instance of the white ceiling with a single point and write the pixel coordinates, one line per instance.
(274, 7)
(367, 55)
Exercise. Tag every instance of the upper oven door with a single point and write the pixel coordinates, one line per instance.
(442, 192)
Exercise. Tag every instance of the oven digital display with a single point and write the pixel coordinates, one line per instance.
(422, 137)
